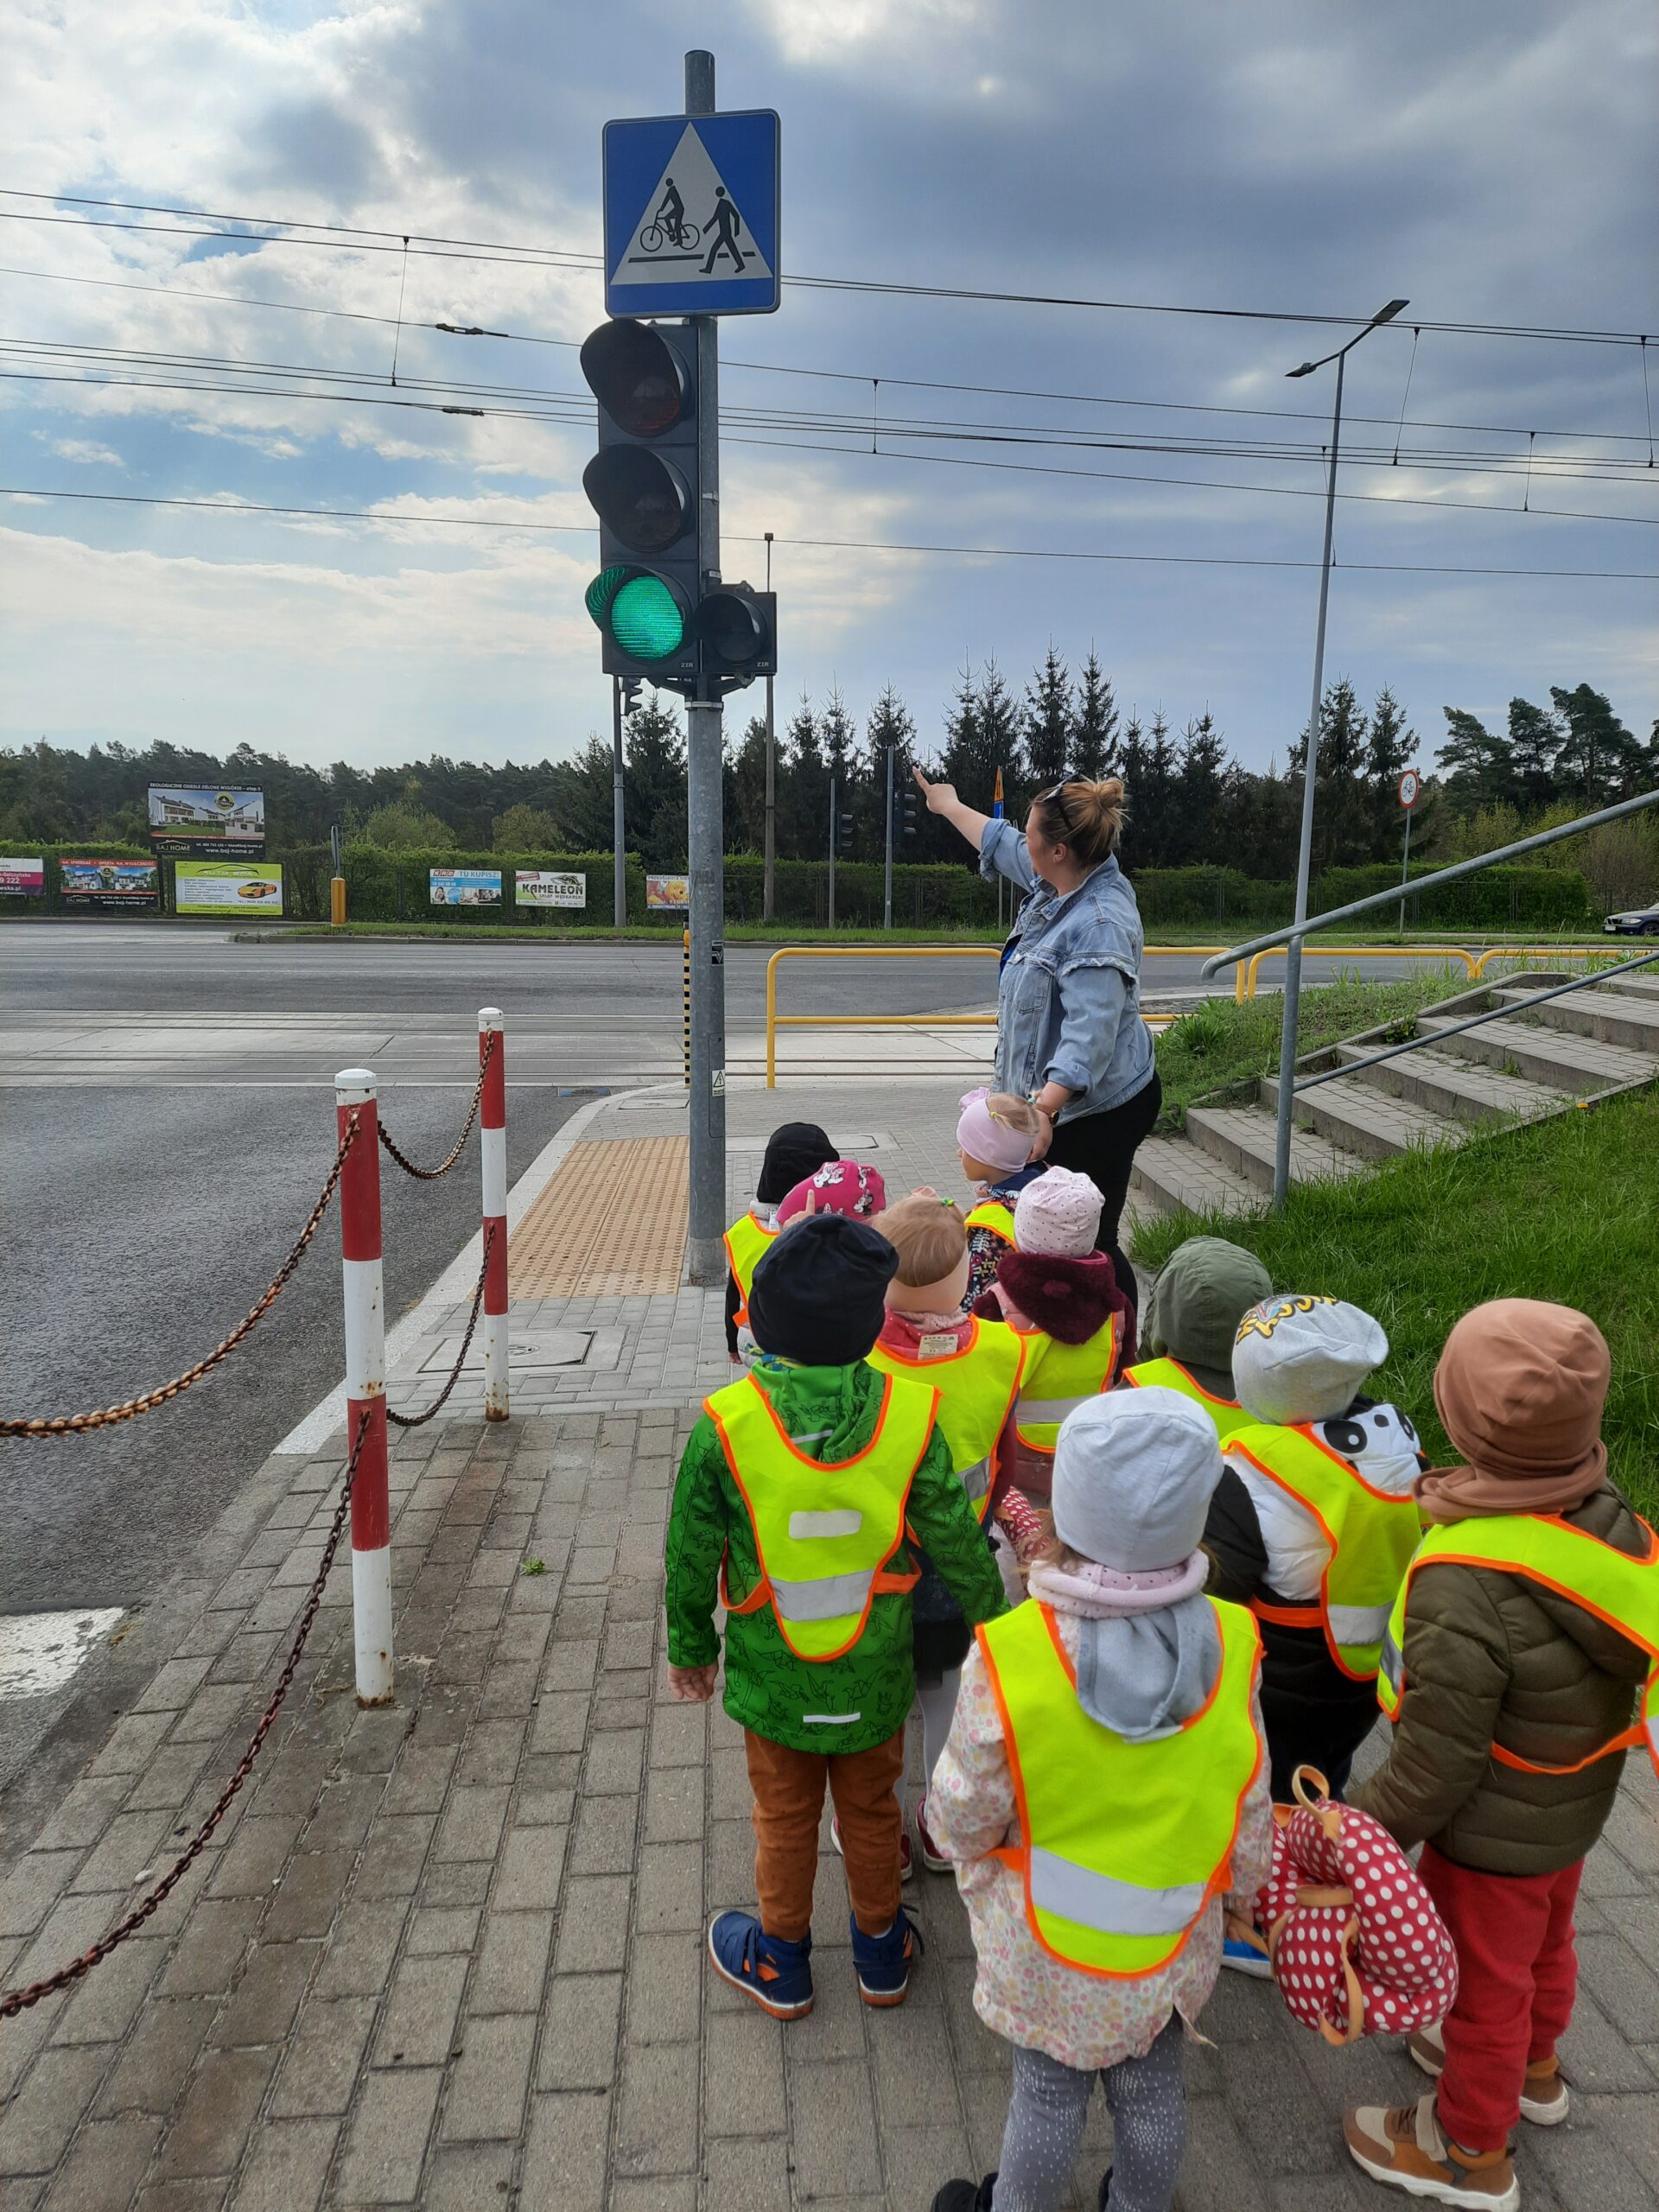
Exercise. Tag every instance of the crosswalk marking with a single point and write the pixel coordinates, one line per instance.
(42, 1652)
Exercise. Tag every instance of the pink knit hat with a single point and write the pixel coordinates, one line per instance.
(841, 1187)
(1058, 1216)
(984, 1135)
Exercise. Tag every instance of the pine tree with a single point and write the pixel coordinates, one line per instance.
(891, 725)
(1049, 727)
(1477, 763)
(998, 718)
(1599, 760)
(1201, 767)
(1388, 755)
(655, 785)
(1095, 729)
(804, 789)
(966, 760)
(745, 790)
(1535, 738)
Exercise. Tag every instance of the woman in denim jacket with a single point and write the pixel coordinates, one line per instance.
(1069, 1032)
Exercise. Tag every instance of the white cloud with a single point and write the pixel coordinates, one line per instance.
(83, 450)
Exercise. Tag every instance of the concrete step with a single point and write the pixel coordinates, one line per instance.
(1170, 1172)
(1243, 1139)
(1456, 1089)
(1361, 1118)
(1641, 983)
(1611, 1017)
(1580, 1065)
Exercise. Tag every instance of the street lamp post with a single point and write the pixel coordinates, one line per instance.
(1293, 993)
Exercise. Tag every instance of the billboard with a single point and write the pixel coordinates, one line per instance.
(540, 887)
(128, 885)
(206, 818)
(668, 894)
(464, 887)
(23, 879)
(227, 887)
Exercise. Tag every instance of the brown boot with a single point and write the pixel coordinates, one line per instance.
(1404, 2149)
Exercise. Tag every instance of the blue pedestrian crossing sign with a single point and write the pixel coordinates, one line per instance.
(691, 214)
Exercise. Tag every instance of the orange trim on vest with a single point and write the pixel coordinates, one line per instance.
(882, 1584)
(1384, 1497)
(1227, 1405)
(1288, 1616)
(1019, 1858)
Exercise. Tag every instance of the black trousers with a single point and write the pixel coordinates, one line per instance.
(1102, 1147)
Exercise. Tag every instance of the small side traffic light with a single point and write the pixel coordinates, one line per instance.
(737, 633)
(843, 836)
(907, 810)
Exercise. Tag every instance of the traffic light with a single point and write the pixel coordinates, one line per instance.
(843, 835)
(630, 690)
(907, 809)
(643, 484)
(659, 614)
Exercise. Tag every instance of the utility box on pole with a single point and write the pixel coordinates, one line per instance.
(692, 229)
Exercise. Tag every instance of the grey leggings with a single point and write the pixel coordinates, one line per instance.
(1050, 2102)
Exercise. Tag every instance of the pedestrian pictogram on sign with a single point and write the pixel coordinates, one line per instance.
(1411, 789)
(691, 214)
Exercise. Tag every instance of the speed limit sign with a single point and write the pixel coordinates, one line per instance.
(1411, 789)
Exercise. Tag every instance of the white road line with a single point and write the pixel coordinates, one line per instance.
(42, 1652)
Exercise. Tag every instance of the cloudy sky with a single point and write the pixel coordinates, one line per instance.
(1492, 163)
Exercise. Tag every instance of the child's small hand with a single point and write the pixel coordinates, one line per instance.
(692, 1685)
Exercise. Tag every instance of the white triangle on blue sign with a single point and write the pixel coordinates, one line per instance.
(692, 231)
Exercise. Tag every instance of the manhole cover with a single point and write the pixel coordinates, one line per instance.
(525, 1348)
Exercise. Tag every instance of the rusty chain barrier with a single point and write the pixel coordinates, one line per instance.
(14, 2001)
(431, 1174)
(80, 1424)
(419, 1421)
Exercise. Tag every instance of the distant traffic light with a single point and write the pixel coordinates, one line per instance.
(632, 686)
(644, 485)
(907, 810)
(843, 835)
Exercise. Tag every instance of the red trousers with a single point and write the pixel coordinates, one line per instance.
(1518, 1975)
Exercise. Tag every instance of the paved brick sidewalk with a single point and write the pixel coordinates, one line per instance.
(450, 1954)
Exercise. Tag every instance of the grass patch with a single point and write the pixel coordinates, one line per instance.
(1219, 1043)
(1565, 1209)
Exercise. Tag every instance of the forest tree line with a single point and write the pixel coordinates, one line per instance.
(1189, 800)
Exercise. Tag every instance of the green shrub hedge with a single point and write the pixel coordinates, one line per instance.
(391, 886)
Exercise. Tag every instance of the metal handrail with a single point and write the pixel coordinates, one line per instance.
(1474, 1022)
(1245, 982)
(1452, 874)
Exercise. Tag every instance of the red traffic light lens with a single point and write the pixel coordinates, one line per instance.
(636, 376)
(637, 497)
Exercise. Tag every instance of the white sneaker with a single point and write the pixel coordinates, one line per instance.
(1544, 2098)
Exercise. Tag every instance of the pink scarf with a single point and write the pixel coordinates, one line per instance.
(1098, 1592)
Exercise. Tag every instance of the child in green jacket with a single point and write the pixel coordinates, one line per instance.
(794, 1501)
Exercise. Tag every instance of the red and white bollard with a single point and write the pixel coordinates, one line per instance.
(493, 1141)
(366, 1385)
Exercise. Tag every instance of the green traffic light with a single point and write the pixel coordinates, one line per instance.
(645, 617)
(603, 590)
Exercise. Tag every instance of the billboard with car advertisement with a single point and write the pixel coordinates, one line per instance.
(225, 887)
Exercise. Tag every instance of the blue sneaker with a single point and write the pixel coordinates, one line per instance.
(882, 1963)
(776, 1974)
(1244, 1958)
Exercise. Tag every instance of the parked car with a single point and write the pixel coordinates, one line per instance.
(1640, 921)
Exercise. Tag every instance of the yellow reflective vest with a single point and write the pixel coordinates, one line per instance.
(1058, 1379)
(1122, 1844)
(1170, 1375)
(747, 1242)
(823, 1529)
(1371, 1535)
(1623, 1590)
(993, 1214)
(977, 1384)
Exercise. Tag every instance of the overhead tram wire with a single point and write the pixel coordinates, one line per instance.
(844, 375)
(368, 239)
(833, 544)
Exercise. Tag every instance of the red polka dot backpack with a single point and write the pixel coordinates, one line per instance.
(1356, 1945)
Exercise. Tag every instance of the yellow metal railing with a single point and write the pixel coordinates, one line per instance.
(775, 1021)
(1244, 985)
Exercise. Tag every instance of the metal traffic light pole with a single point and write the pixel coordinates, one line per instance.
(619, 866)
(769, 888)
(706, 1108)
(887, 887)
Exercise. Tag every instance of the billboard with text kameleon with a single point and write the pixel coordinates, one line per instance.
(206, 819)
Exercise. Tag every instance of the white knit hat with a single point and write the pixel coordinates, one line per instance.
(1303, 1358)
(1057, 1217)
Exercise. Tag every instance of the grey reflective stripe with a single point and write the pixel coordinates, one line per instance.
(827, 1598)
(977, 1479)
(1393, 1662)
(844, 1521)
(1651, 1725)
(1358, 1624)
(1114, 1907)
(1047, 1409)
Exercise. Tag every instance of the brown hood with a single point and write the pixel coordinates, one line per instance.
(1519, 1389)
(1069, 1299)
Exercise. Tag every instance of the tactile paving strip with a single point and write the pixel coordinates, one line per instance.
(611, 1224)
